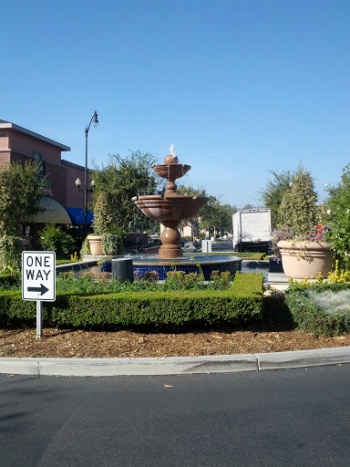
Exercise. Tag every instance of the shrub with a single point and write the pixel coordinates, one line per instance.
(112, 243)
(314, 308)
(298, 209)
(54, 239)
(179, 280)
(10, 253)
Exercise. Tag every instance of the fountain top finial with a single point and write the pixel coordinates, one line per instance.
(171, 158)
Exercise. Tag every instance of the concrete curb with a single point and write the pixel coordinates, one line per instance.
(96, 367)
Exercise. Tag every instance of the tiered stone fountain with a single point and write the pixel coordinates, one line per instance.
(170, 209)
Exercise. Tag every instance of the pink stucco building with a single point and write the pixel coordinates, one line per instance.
(20, 144)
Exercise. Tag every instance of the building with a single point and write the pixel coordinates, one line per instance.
(62, 201)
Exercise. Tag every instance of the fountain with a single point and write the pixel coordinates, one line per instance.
(170, 210)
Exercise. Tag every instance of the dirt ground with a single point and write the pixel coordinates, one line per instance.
(67, 343)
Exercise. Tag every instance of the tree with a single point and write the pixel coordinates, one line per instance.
(121, 179)
(213, 214)
(227, 212)
(298, 209)
(217, 216)
(273, 194)
(338, 218)
(20, 191)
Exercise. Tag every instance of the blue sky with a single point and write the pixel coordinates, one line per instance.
(240, 87)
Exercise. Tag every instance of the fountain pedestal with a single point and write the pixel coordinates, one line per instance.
(170, 238)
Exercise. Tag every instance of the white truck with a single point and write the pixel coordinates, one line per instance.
(252, 230)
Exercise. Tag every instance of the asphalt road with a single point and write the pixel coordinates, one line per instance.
(274, 418)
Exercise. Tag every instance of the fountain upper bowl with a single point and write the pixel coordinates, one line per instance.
(171, 171)
(170, 208)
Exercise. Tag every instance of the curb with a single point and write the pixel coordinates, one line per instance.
(97, 367)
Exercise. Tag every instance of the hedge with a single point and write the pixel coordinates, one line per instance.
(240, 304)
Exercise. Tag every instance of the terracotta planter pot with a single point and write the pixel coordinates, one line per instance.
(302, 260)
(95, 244)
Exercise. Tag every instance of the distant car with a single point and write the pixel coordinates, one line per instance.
(187, 246)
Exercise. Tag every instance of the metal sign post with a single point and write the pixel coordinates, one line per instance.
(39, 281)
(39, 319)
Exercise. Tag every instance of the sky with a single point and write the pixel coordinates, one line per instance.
(241, 88)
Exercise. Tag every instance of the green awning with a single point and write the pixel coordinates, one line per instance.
(53, 213)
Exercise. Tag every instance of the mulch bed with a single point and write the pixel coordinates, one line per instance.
(61, 343)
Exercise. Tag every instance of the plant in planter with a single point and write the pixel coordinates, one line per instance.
(112, 242)
(302, 242)
(308, 256)
(106, 239)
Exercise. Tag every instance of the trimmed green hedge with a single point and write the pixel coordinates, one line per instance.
(10, 280)
(243, 302)
(245, 255)
(242, 305)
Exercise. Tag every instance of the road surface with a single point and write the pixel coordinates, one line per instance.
(273, 418)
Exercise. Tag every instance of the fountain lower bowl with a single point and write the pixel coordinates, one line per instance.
(196, 263)
(146, 263)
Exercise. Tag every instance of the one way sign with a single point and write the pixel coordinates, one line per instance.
(39, 275)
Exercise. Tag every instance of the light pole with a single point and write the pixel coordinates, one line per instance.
(94, 120)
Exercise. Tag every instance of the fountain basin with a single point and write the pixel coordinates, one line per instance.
(188, 263)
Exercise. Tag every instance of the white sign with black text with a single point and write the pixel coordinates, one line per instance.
(39, 276)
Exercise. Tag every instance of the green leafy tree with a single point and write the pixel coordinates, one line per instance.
(298, 209)
(121, 179)
(20, 191)
(217, 216)
(273, 194)
(213, 214)
(338, 218)
(226, 219)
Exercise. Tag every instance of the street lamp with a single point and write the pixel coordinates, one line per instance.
(94, 120)
(78, 185)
